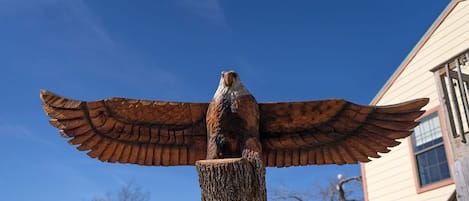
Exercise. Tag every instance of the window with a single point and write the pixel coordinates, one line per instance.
(429, 150)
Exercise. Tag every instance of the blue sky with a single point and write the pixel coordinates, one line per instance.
(175, 50)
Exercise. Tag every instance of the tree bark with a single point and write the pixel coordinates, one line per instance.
(233, 179)
(461, 178)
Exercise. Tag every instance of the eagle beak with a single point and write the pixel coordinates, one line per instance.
(228, 79)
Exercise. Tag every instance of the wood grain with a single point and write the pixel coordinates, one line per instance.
(333, 131)
(166, 133)
(131, 131)
(233, 179)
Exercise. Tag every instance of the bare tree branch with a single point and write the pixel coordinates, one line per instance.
(332, 190)
(340, 187)
(286, 194)
(129, 192)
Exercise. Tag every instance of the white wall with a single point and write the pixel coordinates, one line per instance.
(391, 177)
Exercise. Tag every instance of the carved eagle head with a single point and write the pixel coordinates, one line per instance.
(230, 79)
(230, 83)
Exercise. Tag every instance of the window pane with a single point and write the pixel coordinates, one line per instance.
(444, 170)
(431, 168)
(422, 160)
(428, 133)
(441, 155)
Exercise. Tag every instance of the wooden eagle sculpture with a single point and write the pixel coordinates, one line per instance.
(233, 124)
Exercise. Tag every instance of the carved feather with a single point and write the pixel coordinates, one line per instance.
(131, 131)
(332, 131)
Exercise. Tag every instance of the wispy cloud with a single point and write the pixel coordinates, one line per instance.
(119, 180)
(209, 9)
(84, 15)
(75, 12)
(21, 132)
(75, 29)
(72, 174)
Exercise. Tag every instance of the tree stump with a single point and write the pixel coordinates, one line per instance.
(232, 179)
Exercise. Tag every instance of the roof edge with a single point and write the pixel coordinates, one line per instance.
(415, 50)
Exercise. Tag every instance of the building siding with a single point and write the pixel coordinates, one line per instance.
(391, 177)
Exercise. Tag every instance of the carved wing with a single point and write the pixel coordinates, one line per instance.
(332, 131)
(131, 131)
